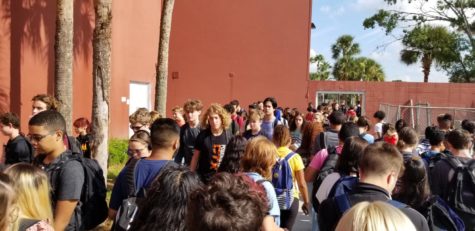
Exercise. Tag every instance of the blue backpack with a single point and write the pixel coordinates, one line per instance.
(344, 185)
(283, 182)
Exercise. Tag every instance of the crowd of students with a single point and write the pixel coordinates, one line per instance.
(224, 168)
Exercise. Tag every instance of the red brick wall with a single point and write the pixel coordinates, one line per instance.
(435, 94)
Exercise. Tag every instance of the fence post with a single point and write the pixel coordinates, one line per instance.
(398, 113)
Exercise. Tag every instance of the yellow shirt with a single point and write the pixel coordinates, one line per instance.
(296, 164)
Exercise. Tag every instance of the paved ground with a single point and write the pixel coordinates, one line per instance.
(303, 223)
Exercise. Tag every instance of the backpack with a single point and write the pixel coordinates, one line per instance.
(344, 185)
(327, 168)
(129, 208)
(324, 140)
(461, 194)
(94, 207)
(440, 216)
(283, 182)
(343, 203)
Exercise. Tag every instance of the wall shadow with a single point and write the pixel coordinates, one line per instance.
(83, 29)
(32, 26)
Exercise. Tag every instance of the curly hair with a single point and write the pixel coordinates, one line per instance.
(309, 134)
(166, 205)
(216, 108)
(141, 115)
(51, 102)
(226, 204)
(260, 155)
(233, 154)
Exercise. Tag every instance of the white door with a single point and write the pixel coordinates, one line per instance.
(139, 96)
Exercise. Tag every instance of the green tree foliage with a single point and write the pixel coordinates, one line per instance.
(429, 44)
(350, 68)
(323, 68)
(458, 13)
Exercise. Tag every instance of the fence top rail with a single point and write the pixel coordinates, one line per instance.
(428, 107)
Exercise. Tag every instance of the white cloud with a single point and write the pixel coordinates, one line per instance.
(313, 53)
(368, 5)
(313, 68)
(325, 9)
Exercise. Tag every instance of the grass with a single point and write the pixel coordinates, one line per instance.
(117, 160)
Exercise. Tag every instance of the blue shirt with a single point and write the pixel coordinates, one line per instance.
(369, 138)
(145, 172)
(274, 209)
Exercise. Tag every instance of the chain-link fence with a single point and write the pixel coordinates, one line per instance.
(420, 116)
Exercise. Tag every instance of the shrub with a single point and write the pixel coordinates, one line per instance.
(118, 151)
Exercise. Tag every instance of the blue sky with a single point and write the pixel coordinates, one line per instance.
(334, 18)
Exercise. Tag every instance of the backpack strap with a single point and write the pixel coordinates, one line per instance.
(130, 175)
(27, 223)
(323, 143)
(275, 123)
(290, 155)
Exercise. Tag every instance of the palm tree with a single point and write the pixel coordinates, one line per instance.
(323, 67)
(343, 51)
(428, 44)
(101, 57)
(162, 67)
(63, 87)
(368, 70)
(345, 47)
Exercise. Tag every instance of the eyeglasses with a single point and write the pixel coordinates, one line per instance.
(135, 151)
(37, 138)
(135, 128)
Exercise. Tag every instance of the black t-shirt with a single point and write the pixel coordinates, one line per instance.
(18, 150)
(85, 142)
(188, 137)
(211, 152)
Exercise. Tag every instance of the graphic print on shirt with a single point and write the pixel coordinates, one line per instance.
(218, 153)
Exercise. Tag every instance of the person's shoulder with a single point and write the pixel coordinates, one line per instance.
(419, 221)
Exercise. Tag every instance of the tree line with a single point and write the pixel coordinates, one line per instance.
(449, 48)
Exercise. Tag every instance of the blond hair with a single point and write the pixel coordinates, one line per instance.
(154, 115)
(260, 155)
(256, 115)
(7, 202)
(216, 108)
(178, 109)
(141, 115)
(32, 188)
(374, 216)
(193, 105)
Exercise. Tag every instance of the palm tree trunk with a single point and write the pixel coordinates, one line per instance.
(162, 67)
(101, 48)
(63, 87)
(426, 63)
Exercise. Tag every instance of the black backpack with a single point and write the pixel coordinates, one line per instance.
(461, 194)
(93, 196)
(327, 169)
(440, 216)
